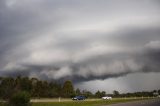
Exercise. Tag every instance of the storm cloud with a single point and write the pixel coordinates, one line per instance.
(79, 40)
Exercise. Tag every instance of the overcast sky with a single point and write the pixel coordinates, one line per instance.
(104, 44)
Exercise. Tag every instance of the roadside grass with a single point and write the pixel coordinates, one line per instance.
(3, 104)
(85, 103)
(88, 102)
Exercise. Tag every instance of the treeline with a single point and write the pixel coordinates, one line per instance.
(35, 87)
(44, 89)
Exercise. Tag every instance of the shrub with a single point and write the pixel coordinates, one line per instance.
(20, 99)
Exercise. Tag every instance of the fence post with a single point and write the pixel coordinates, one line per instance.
(59, 99)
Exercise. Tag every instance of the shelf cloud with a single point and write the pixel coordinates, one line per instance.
(79, 40)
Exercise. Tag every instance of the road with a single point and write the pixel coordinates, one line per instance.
(155, 102)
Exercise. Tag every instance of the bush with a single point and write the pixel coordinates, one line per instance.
(20, 99)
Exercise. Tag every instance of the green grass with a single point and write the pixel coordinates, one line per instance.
(83, 103)
(89, 102)
(2, 104)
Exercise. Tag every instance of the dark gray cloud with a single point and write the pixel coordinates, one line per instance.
(79, 40)
(97, 62)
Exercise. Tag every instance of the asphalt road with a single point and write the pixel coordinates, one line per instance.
(155, 102)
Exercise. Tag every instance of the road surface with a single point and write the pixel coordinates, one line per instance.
(155, 102)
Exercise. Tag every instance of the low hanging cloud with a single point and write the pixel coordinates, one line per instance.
(79, 40)
(93, 62)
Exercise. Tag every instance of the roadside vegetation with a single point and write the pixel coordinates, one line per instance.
(84, 103)
(90, 102)
(34, 88)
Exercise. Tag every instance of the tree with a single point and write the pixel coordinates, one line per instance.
(98, 94)
(87, 93)
(68, 89)
(78, 92)
(54, 89)
(41, 89)
(26, 84)
(159, 92)
(7, 87)
(116, 93)
(21, 98)
(103, 93)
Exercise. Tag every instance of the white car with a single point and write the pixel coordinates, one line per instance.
(106, 98)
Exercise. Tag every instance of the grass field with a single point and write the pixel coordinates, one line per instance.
(89, 102)
(85, 103)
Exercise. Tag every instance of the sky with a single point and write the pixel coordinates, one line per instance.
(99, 45)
